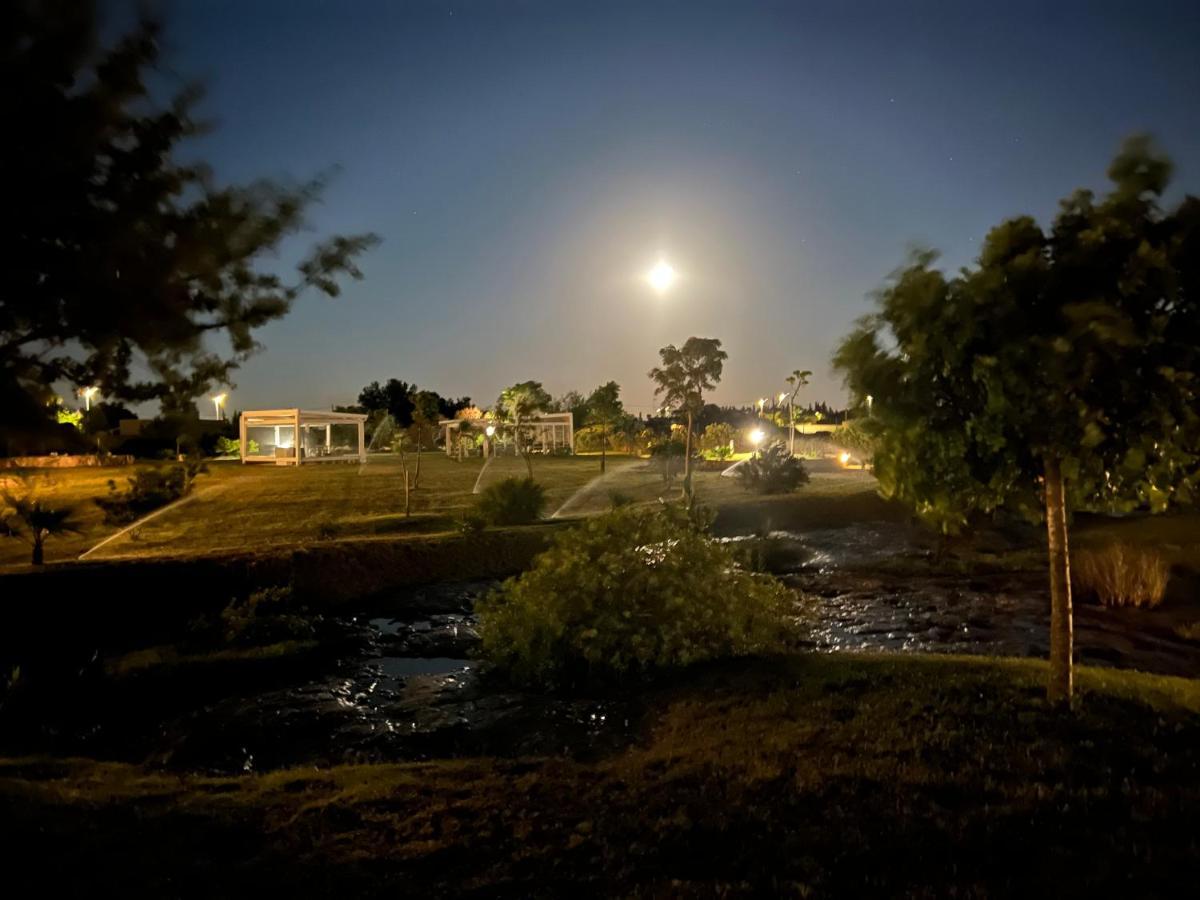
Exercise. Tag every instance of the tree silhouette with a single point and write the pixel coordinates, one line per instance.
(685, 374)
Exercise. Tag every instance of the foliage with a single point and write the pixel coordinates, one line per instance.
(1121, 574)
(516, 405)
(685, 374)
(513, 501)
(1062, 369)
(717, 440)
(27, 518)
(112, 211)
(233, 447)
(666, 457)
(857, 437)
(773, 470)
(605, 411)
(149, 489)
(263, 617)
(625, 593)
(72, 417)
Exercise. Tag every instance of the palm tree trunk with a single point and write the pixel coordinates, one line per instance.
(1061, 683)
(603, 442)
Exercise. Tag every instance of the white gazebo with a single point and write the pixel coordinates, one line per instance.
(544, 432)
(289, 437)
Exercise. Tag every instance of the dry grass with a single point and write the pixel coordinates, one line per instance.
(1122, 574)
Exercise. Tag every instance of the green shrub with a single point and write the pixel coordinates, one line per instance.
(773, 471)
(233, 447)
(1121, 575)
(148, 490)
(625, 593)
(263, 617)
(513, 501)
(717, 440)
(666, 456)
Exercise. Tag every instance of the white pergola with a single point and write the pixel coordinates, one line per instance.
(545, 432)
(290, 437)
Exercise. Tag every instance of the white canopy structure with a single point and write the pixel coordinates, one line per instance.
(542, 433)
(289, 437)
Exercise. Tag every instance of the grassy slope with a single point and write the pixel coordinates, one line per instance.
(849, 775)
(239, 507)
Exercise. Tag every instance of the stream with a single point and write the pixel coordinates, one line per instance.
(406, 688)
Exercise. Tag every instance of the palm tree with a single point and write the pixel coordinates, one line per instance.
(796, 380)
(685, 374)
(518, 403)
(28, 519)
(605, 409)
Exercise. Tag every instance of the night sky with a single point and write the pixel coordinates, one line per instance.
(525, 163)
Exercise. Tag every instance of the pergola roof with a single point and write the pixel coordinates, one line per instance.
(307, 417)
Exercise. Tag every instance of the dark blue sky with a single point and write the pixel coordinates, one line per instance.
(526, 162)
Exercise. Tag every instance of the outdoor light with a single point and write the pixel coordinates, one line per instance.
(490, 430)
(844, 458)
(762, 401)
(870, 400)
(756, 436)
(782, 396)
(661, 277)
(88, 393)
(217, 402)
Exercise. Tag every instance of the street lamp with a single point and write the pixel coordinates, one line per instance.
(218, 401)
(88, 393)
(870, 400)
(762, 401)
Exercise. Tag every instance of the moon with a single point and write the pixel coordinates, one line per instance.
(661, 277)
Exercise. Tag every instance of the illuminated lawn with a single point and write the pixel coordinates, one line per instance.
(845, 775)
(236, 507)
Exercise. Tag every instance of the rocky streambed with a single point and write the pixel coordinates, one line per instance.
(404, 685)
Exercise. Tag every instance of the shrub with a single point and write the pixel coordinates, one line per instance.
(513, 501)
(233, 447)
(1121, 575)
(148, 490)
(471, 522)
(625, 593)
(263, 617)
(773, 471)
(717, 440)
(666, 456)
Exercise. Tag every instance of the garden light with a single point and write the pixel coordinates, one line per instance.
(844, 458)
(490, 430)
(756, 436)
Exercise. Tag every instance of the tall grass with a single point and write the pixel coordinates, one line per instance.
(1121, 575)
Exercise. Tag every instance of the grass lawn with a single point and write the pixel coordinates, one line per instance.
(236, 507)
(817, 775)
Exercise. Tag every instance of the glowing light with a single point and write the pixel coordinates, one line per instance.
(782, 396)
(218, 401)
(662, 276)
(87, 394)
(490, 431)
(844, 458)
(756, 436)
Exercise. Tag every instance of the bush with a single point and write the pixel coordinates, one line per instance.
(264, 617)
(1121, 575)
(148, 490)
(625, 593)
(717, 440)
(773, 471)
(513, 501)
(666, 456)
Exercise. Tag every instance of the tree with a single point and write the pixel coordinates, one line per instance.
(605, 409)
(122, 255)
(685, 374)
(426, 412)
(394, 397)
(517, 404)
(574, 403)
(1060, 370)
(26, 518)
(798, 379)
(718, 440)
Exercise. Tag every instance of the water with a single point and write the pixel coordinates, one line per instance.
(479, 481)
(592, 485)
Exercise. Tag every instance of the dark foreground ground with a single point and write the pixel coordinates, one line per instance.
(817, 775)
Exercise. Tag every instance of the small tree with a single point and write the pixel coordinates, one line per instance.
(517, 404)
(28, 519)
(798, 379)
(685, 374)
(1061, 369)
(605, 409)
(425, 415)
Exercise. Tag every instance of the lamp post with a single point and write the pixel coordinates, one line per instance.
(88, 393)
(870, 400)
(218, 401)
(490, 431)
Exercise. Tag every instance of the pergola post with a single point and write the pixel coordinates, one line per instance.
(242, 437)
(297, 444)
(362, 441)
(328, 438)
